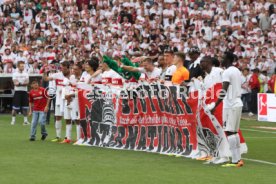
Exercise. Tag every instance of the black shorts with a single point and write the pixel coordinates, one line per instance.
(20, 100)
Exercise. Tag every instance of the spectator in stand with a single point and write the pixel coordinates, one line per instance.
(254, 85)
(272, 83)
(245, 89)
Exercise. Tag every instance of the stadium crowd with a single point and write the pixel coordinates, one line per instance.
(169, 38)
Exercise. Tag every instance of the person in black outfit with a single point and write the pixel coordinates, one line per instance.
(194, 67)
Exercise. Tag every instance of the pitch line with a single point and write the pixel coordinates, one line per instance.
(262, 131)
(260, 137)
(260, 161)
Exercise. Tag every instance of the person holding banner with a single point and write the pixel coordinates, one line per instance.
(94, 75)
(181, 74)
(232, 107)
(171, 68)
(213, 74)
(151, 72)
(71, 110)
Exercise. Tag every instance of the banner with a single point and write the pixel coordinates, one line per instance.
(155, 118)
(266, 107)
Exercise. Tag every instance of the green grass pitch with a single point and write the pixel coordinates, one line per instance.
(25, 162)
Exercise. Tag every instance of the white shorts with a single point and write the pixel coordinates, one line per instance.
(71, 113)
(231, 119)
(58, 110)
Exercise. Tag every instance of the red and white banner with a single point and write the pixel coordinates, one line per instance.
(266, 107)
(153, 118)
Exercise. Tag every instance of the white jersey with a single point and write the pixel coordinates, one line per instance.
(151, 75)
(214, 77)
(83, 76)
(88, 79)
(169, 72)
(73, 90)
(107, 76)
(58, 78)
(21, 77)
(233, 95)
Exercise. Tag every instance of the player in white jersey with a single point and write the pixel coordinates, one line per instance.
(150, 72)
(168, 57)
(94, 75)
(59, 108)
(71, 111)
(232, 107)
(20, 99)
(213, 74)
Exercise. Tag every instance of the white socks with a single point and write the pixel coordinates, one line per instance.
(78, 130)
(13, 119)
(68, 131)
(234, 143)
(58, 128)
(25, 119)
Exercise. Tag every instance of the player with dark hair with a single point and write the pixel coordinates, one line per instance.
(71, 111)
(59, 109)
(93, 74)
(232, 107)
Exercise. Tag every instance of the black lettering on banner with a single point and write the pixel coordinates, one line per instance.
(132, 135)
(159, 138)
(188, 146)
(149, 95)
(140, 91)
(183, 99)
(165, 138)
(156, 90)
(179, 140)
(172, 140)
(135, 107)
(165, 95)
(178, 108)
(125, 102)
(169, 100)
(142, 139)
(121, 135)
(151, 134)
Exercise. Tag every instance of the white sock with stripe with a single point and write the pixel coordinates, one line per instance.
(58, 128)
(234, 143)
(78, 130)
(68, 131)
